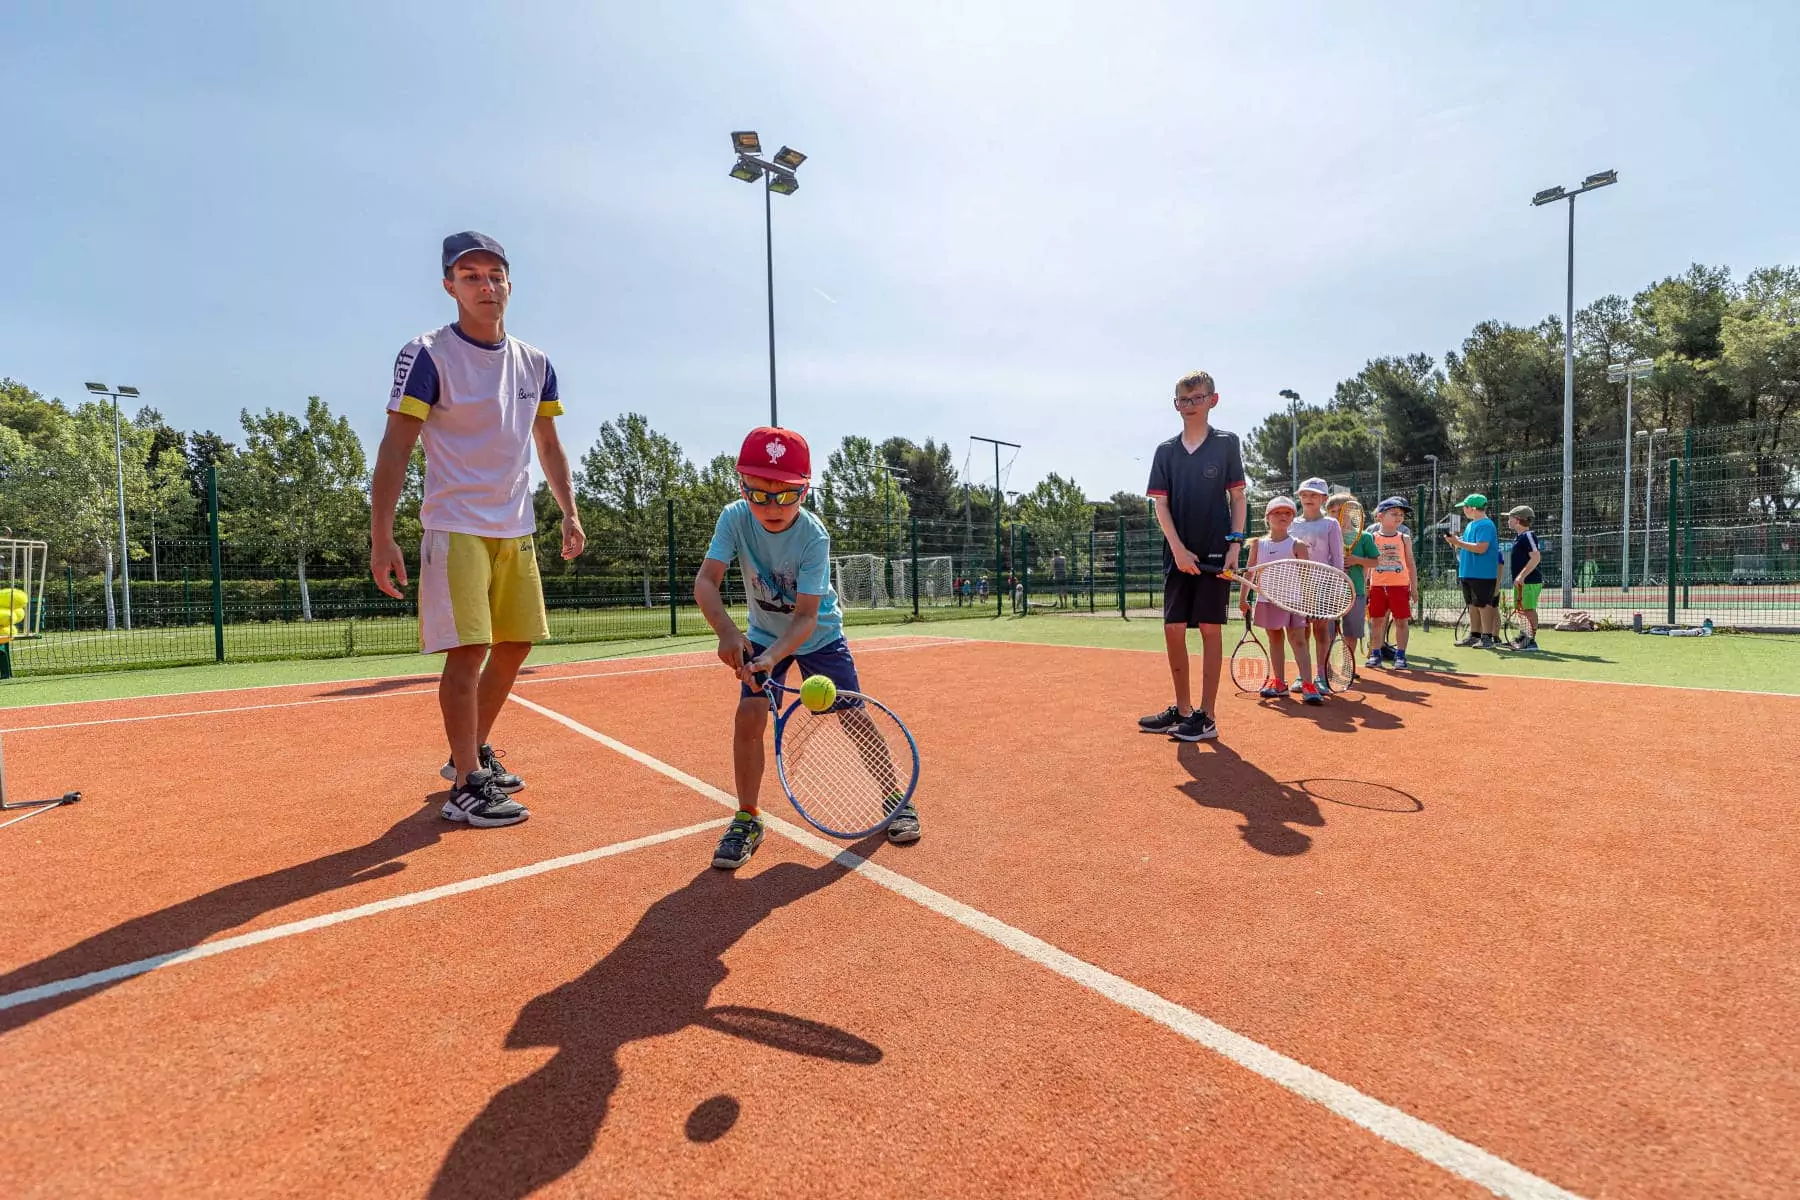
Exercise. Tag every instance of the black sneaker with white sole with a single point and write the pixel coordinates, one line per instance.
(1197, 728)
(483, 805)
(506, 781)
(1162, 722)
(741, 838)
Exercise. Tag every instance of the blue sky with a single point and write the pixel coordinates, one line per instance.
(1018, 220)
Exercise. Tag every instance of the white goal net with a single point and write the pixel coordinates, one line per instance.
(861, 581)
(935, 582)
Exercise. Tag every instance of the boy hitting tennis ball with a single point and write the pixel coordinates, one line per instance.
(785, 555)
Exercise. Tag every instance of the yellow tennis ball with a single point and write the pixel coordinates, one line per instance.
(818, 693)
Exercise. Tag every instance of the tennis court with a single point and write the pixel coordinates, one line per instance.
(1463, 935)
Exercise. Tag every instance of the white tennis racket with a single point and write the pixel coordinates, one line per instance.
(1315, 590)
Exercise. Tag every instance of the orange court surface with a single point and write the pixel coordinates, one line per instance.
(1455, 936)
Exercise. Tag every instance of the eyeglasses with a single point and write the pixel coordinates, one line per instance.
(1190, 401)
(786, 498)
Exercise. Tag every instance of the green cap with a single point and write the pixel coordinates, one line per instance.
(1473, 500)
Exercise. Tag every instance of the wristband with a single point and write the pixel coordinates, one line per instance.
(1234, 537)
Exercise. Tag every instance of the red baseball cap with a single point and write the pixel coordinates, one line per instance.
(778, 454)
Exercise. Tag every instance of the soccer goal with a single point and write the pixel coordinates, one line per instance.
(935, 582)
(861, 581)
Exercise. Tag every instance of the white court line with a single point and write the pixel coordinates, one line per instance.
(1401, 675)
(1434, 1145)
(275, 933)
(424, 691)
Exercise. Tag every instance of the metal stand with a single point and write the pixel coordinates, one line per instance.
(36, 806)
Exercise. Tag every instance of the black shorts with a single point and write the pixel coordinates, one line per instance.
(1481, 593)
(1192, 600)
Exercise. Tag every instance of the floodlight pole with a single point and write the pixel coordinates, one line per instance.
(1649, 496)
(1598, 180)
(1293, 399)
(101, 389)
(769, 256)
(1378, 432)
(999, 507)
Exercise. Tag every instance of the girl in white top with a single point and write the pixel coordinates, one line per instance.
(1324, 541)
(1280, 624)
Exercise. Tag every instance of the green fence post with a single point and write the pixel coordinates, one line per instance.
(187, 598)
(1093, 568)
(674, 615)
(218, 572)
(1494, 488)
(69, 578)
(1674, 520)
(915, 565)
(1119, 563)
(1687, 524)
(1025, 576)
(999, 583)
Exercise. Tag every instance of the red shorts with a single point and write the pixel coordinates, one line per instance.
(1395, 602)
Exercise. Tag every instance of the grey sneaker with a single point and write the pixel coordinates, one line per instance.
(1470, 640)
(506, 781)
(742, 837)
(481, 804)
(1486, 643)
(904, 828)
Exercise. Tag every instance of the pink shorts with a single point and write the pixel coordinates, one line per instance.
(1273, 616)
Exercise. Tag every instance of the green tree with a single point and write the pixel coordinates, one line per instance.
(301, 487)
(1506, 388)
(932, 489)
(1058, 515)
(861, 502)
(625, 481)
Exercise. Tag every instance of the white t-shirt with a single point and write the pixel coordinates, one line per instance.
(478, 402)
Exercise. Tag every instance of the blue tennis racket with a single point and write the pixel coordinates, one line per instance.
(846, 770)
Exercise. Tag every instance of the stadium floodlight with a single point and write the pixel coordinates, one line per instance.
(778, 177)
(100, 389)
(1598, 179)
(1626, 373)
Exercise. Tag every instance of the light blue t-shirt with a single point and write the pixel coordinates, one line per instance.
(777, 568)
(1486, 565)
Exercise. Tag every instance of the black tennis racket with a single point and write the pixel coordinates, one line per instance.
(1250, 661)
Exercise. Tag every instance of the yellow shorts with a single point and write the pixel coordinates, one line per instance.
(475, 591)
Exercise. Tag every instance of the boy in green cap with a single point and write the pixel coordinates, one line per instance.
(1478, 570)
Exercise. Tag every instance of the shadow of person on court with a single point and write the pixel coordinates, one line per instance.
(655, 982)
(1271, 809)
(192, 921)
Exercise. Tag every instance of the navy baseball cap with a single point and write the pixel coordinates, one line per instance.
(1391, 502)
(467, 242)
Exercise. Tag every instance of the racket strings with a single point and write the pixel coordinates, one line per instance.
(1307, 588)
(844, 767)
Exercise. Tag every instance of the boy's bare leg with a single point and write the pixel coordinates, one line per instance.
(503, 664)
(457, 690)
(1212, 659)
(747, 751)
(1400, 633)
(1175, 640)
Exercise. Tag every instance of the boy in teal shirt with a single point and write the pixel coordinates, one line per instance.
(1478, 570)
(785, 554)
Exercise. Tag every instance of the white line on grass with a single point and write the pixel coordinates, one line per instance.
(1434, 1145)
(418, 691)
(275, 933)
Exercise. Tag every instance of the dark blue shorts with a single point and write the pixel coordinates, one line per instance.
(833, 662)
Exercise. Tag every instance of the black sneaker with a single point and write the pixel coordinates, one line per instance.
(904, 828)
(1197, 728)
(1486, 643)
(1529, 643)
(479, 802)
(741, 839)
(1387, 653)
(1161, 722)
(506, 781)
(1470, 640)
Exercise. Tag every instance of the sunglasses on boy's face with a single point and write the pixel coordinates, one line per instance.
(785, 498)
(1196, 398)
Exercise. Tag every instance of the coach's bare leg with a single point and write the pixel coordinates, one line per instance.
(1175, 638)
(462, 716)
(503, 664)
(747, 749)
(1212, 659)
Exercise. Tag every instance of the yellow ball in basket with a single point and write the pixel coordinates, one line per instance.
(818, 693)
